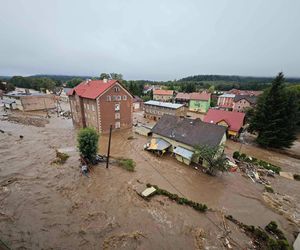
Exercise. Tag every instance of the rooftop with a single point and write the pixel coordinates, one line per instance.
(91, 89)
(163, 92)
(250, 98)
(188, 131)
(203, 96)
(235, 120)
(228, 95)
(164, 104)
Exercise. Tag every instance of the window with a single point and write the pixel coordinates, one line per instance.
(125, 97)
(114, 98)
(117, 125)
(108, 98)
(88, 106)
(117, 107)
(117, 89)
(119, 98)
(93, 107)
(117, 115)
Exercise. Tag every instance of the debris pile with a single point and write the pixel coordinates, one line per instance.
(27, 120)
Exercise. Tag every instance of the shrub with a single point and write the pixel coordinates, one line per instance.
(243, 156)
(88, 143)
(127, 164)
(236, 155)
(61, 158)
(297, 177)
(269, 189)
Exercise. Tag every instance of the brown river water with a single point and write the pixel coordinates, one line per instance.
(44, 206)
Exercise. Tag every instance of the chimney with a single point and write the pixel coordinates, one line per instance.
(105, 80)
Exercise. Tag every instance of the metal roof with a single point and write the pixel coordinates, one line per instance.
(158, 144)
(164, 104)
(185, 153)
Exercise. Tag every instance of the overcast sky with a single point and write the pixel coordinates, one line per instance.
(150, 39)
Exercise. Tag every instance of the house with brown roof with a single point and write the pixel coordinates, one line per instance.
(183, 98)
(233, 121)
(101, 103)
(199, 102)
(245, 92)
(243, 102)
(163, 95)
(184, 134)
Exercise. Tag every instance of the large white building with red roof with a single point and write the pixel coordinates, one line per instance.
(101, 103)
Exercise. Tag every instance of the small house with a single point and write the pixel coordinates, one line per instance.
(184, 134)
(243, 102)
(232, 120)
(163, 95)
(199, 102)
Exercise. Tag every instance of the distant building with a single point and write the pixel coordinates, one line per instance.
(244, 92)
(243, 102)
(155, 109)
(233, 121)
(27, 101)
(183, 98)
(101, 103)
(63, 95)
(225, 101)
(200, 102)
(137, 103)
(183, 134)
(163, 95)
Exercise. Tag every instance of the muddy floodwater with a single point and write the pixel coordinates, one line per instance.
(46, 206)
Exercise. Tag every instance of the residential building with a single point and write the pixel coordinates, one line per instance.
(27, 101)
(225, 101)
(243, 102)
(163, 95)
(155, 109)
(137, 103)
(200, 102)
(233, 121)
(183, 98)
(244, 92)
(184, 134)
(101, 103)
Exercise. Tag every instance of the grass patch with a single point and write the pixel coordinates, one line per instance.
(127, 164)
(297, 177)
(262, 240)
(180, 200)
(61, 158)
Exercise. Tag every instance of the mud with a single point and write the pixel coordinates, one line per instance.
(44, 206)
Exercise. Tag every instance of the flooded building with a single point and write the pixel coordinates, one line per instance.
(184, 134)
(183, 98)
(199, 102)
(27, 101)
(155, 109)
(137, 103)
(163, 95)
(243, 102)
(233, 121)
(101, 103)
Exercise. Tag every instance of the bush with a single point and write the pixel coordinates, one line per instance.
(88, 143)
(127, 164)
(243, 156)
(269, 189)
(297, 177)
(236, 155)
(61, 158)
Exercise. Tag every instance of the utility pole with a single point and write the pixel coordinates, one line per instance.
(108, 150)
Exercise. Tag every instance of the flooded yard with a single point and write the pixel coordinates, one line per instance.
(46, 206)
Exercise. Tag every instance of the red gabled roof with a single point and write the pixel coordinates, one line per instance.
(203, 96)
(91, 89)
(163, 92)
(235, 120)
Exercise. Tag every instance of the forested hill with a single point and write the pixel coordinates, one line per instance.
(63, 78)
(233, 78)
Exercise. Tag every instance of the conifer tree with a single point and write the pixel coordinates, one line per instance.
(275, 117)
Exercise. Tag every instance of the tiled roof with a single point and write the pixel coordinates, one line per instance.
(245, 92)
(251, 99)
(182, 95)
(91, 89)
(163, 92)
(235, 120)
(203, 96)
(188, 131)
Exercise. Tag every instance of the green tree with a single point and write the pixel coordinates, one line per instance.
(88, 142)
(104, 76)
(213, 158)
(73, 82)
(275, 116)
